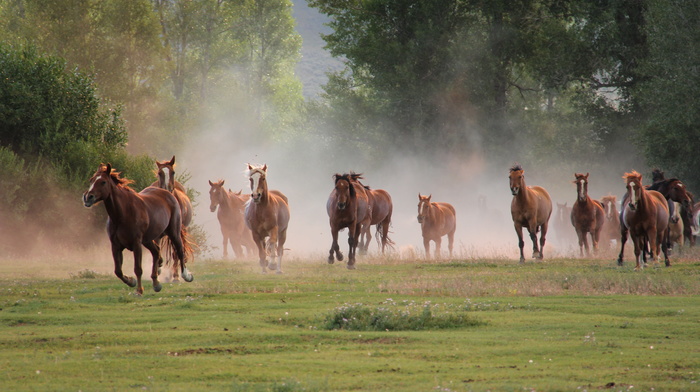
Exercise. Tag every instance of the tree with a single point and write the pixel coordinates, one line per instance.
(670, 135)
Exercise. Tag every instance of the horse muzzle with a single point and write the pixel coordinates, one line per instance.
(632, 206)
(341, 206)
(255, 198)
(88, 200)
(420, 219)
(515, 190)
(213, 208)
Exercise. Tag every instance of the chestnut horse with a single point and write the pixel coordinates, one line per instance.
(137, 219)
(347, 207)
(266, 215)
(166, 180)
(611, 227)
(645, 216)
(531, 208)
(231, 220)
(436, 220)
(381, 209)
(587, 215)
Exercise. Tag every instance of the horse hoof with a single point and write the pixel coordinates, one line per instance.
(331, 260)
(187, 276)
(278, 272)
(131, 282)
(340, 257)
(351, 266)
(157, 287)
(272, 266)
(522, 260)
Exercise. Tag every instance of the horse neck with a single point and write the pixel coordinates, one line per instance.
(116, 203)
(525, 194)
(433, 213)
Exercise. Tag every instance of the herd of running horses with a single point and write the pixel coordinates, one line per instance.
(654, 216)
(157, 218)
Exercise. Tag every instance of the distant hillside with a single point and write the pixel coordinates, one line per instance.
(315, 60)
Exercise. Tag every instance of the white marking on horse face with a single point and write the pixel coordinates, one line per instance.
(582, 182)
(633, 191)
(255, 177)
(92, 185)
(166, 177)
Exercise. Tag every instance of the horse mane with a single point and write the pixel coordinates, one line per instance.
(114, 175)
(516, 167)
(630, 175)
(254, 169)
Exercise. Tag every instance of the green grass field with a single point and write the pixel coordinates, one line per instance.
(564, 324)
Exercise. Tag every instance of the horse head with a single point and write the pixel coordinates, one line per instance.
(344, 190)
(258, 183)
(581, 186)
(102, 184)
(215, 193)
(517, 179)
(166, 174)
(423, 207)
(634, 188)
(609, 206)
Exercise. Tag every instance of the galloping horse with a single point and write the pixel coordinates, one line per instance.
(166, 180)
(674, 190)
(587, 215)
(436, 220)
(347, 206)
(645, 215)
(611, 227)
(676, 228)
(531, 208)
(266, 215)
(381, 209)
(137, 219)
(230, 211)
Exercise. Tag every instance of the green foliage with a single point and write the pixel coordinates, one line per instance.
(670, 136)
(393, 316)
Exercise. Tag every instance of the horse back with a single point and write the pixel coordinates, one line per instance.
(162, 209)
(661, 206)
(382, 206)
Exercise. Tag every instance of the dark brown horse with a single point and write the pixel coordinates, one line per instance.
(166, 180)
(436, 220)
(347, 207)
(645, 216)
(266, 215)
(137, 219)
(381, 208)
(611, 227)
(531, 208)
(229, 208)
(673, 189)
(587, 215)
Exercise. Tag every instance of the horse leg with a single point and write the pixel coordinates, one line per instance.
(438, 245)
(225, 245)
(155, 252)
(666, 250)
(354, 231)
(450, 242)
(543, 235)
(521, 243)
(177, 236)
(581, 239)
(260, 242)
(426, 245)
(623, 240)
(272, 247)
(118, 261)
(281, 239)
(138, 271)
(638, 248)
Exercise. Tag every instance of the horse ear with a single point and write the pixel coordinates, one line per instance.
(587, 175)
(250, 167)
(210, 183)
(264, 167)
(108, 168)
(239, 192)
(172, 161)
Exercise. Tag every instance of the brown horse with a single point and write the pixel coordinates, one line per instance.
(347, 207)
(587, 215)
(381, 208)
(436, 220)
(230, 212)
(611, 227)
(645, 216)
(674, 190)
(166, 180)
(266, 215)
(137, 219)
(531, 208)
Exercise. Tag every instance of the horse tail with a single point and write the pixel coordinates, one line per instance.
(171, 251)
(387, 240)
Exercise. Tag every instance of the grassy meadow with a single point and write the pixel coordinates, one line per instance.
(391, 325)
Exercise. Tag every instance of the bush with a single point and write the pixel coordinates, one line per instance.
(393, 316)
